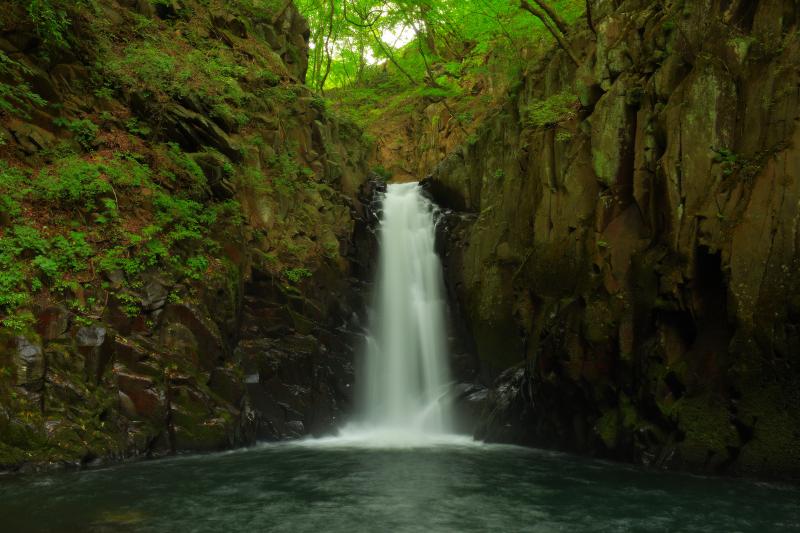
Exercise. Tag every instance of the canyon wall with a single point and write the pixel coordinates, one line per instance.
(623, 240)
(183, 233)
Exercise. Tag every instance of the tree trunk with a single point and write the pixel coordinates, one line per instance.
(328, 55)
(389, 54)
(430, 33)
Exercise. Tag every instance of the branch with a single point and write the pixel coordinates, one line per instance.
(560, 24)
(553, 31)
(389, 54)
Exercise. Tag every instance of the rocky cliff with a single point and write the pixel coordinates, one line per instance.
(181, 231)
(624, 240)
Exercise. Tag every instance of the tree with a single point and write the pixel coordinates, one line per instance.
(350, 37)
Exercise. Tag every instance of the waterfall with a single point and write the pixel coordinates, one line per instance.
(405, 373)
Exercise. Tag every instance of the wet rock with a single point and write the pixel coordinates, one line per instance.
(154, 295)
(29, 361)
(469, 402)
(96, 347)
(195, 423)
(53, 322)
(226, 21)
(169, 9)
(127, 406)
(32, 138)
(91, 337)
(175, 382)
(188, 328)
(147, 401)
(228, 384)
(627, 268)
(194, 131)
(116, 277)
(216, 175)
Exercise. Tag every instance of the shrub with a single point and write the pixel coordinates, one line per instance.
(558, 108)
(196, 267)
(85, 131)
(50, 19)
(188, 165)
(76, 183)
(382, 173)
(16, 96)
(296, 275)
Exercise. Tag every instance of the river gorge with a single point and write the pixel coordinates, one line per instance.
(416, 265)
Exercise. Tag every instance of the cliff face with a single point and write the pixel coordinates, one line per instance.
(624, 242)
(180, 235)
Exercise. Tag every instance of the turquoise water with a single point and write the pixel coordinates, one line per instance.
(458, 487)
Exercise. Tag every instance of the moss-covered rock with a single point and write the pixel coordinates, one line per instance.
(179, 157)
(646, 273)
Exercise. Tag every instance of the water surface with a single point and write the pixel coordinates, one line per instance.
(341, 486)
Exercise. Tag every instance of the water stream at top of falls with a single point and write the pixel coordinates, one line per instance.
(405, 375)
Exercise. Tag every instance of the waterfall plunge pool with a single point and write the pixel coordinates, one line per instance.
(397, 470)
(348, 485)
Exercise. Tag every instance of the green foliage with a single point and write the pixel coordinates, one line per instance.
(130, 304)
(563, 136)
(196, 267)
(212, 74)
(176, 237)
(296, 275)
(16, 96)
(726, 159)
(185, 162)
(85, 131)
(19, 322)
(373, 34)
(180, 219)
(382, 173)
(320, 104)
(13, 188)
(137, 128)
(50, 19)
(560, 107)
(73, 183)
(285, 173)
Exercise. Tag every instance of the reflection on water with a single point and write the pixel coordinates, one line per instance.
(336, 486)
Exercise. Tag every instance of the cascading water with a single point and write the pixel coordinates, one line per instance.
(406, 369)
(405, 375)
